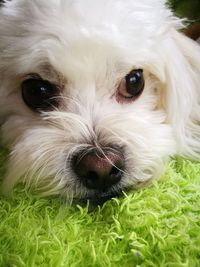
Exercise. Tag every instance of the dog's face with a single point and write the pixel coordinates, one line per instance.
(85, 98)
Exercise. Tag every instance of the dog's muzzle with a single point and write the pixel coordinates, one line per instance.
(99, 170)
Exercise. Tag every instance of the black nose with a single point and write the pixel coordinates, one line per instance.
(97, 170)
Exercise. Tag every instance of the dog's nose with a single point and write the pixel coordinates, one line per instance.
(99, 171)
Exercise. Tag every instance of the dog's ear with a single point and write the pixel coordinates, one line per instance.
(182, 91)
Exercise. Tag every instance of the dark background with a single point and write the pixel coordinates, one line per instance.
(187, 8)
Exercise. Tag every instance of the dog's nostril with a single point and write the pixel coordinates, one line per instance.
(115, 171)
(99, 171)
(92, 175)
(90, 179)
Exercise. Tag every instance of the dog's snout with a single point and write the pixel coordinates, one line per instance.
(99, 171)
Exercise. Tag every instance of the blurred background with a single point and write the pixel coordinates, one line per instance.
(187, 8)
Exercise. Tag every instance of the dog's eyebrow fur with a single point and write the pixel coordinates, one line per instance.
(47, 72)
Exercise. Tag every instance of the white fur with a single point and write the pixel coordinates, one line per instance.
(92, 45)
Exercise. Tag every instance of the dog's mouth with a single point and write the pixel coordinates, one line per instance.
(99, 198)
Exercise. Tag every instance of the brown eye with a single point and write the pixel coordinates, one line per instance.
(39, 95)
(132, 85)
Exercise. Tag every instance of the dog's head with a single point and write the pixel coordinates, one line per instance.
(95, 96)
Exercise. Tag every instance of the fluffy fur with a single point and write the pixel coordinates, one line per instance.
(87, 47)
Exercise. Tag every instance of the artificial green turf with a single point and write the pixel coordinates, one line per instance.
(156, 226)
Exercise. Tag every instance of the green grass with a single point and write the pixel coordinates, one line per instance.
(156, 226)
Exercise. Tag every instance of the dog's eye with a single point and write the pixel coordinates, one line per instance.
(131, 86)
(40, 94)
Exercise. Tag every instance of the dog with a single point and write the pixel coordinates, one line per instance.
(95, 95)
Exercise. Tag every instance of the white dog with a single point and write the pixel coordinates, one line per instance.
(95, 95)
